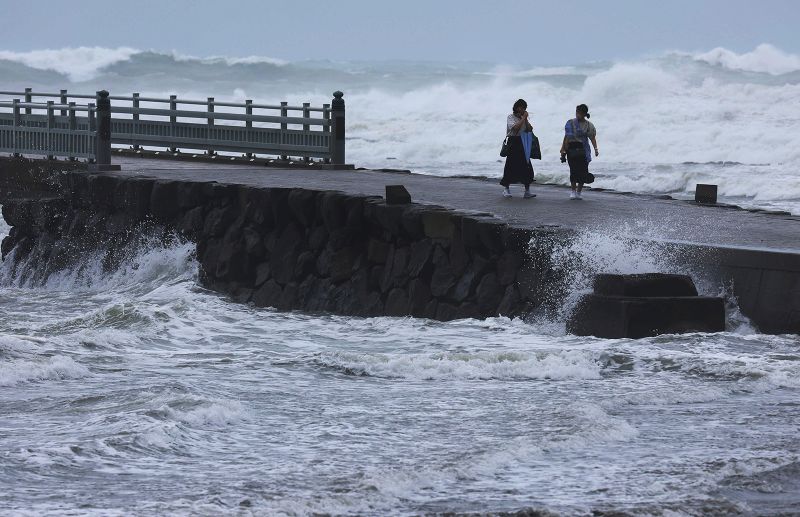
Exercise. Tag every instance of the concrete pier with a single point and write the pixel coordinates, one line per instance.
(460, 250)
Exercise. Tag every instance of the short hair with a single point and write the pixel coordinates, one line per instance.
(520, 102)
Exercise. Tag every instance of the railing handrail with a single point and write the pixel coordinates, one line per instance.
(46, 106)
(196, 102)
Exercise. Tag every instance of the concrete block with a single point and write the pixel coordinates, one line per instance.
(705, 193)
(648, 284)
(626, 317)
(397, 195)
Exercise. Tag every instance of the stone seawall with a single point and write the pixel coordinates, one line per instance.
(350, 253)
(293, 248)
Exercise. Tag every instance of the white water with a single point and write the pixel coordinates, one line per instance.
(136, 392)
(665, 122)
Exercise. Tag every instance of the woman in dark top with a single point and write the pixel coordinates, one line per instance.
(575, 149)
(518, 168)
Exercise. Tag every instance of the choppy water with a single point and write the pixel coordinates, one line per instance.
(137, 392)
(665, 123)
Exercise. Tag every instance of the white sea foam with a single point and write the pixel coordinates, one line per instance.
(4, 228)
(146, 264)
(764, 58)
(57, 367)
(664, 123)
(79, 63)
(209, 414)
(506, 365)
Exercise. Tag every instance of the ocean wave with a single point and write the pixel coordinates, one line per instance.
(149, 263)
(465, 366)
(764, 58)
(17, 371)
(77, 63)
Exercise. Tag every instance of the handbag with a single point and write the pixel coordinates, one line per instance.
(504, 149)
(589, 178)
(536, 150)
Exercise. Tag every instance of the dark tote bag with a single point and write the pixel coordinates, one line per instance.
(504, 149)
(536, 149)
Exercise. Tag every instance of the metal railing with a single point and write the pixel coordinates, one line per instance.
(49, 134)
(137, 122)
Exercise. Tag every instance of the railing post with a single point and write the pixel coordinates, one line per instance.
(17, 123)
(28, 98)
(135, 105)
(284, 126)
(51, 125)
(326, 116)
(63, 102)
(337, 133)
(92, 117)
(73, 126)
(103, 151)
(248, 123)
(210, 124)
(173, 119)
(306, 127)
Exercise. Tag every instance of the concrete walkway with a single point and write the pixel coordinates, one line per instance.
(643, 216)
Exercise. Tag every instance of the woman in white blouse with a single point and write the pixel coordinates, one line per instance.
(518, 168)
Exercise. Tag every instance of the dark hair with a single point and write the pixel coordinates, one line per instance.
(583, 108)
(520, 102)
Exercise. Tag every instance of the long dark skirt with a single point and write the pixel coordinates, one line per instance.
(518, 167)
(579, 166)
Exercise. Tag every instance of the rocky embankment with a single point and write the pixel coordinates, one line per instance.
(290, 248)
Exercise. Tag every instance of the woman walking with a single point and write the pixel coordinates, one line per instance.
(518, 168)
(575, 149)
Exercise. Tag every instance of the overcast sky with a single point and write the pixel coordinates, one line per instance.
(533, 32)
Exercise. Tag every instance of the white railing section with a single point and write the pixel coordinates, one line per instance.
(207, 126)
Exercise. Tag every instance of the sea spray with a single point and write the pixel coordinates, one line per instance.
(665, 123)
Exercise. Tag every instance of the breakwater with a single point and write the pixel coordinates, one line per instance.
(290, 248)
(326, 241)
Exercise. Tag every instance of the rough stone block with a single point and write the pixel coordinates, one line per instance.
(190, 194)
(306, 265)
(217, 221)
(397, 302)
(268, 295)
(507, 266)
(419, 296)
(489, 293)
(411, 223)
(317, 238)
(377, 251)
(343, 264)
(648, 284)
(303, 205)
(164, 201)
(438, 224)
(331, 210)
(420, 257)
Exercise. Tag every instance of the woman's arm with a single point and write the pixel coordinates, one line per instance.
(522, 121)
(564, 145)
(528, 126)
(594, 144)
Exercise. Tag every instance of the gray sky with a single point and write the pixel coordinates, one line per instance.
(531, 32)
